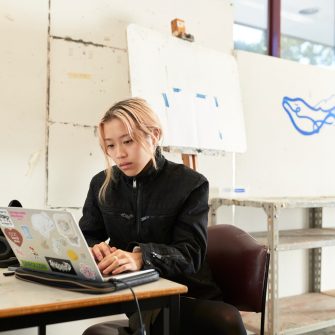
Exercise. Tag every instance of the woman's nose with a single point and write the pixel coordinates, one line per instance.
(120, 152)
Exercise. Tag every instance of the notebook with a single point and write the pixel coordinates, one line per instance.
(50, 241)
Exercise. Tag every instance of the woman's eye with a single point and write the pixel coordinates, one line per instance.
(128, 141)
(110, 146)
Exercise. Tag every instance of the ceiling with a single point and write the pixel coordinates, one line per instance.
(307, 19)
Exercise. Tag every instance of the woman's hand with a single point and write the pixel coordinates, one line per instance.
(101, 250)
(115, 261)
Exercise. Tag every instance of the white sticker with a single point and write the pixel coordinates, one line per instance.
(43, 224)
(65, 228)
(58, 246)
(5, 219)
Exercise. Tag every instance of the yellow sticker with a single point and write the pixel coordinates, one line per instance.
(72, 255)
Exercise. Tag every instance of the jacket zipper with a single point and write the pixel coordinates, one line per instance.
(137, 188)
(163, 258)
(155, 255)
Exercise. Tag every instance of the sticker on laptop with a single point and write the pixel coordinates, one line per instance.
(33, 251)
(26, 232)
(34, 265)
(43, 224)
(72, 255)
(17, 215)
(87, 271)
(58, 245)
(14, 235)
(5, 219)
(65, 228)
(60, 265)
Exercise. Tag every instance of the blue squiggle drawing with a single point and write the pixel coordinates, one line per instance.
(306, 119)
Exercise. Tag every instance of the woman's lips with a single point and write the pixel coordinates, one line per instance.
(125, 166)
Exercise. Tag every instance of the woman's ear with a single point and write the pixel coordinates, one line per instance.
(155, 135)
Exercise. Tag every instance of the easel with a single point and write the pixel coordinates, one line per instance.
(178, 30)
(190, 160)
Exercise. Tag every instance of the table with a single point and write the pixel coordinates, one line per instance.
(24, 304)
(282, 313)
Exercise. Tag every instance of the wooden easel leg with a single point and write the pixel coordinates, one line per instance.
(190, 160)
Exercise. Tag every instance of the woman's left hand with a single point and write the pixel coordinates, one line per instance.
(120, 261)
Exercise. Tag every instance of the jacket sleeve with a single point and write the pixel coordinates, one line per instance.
(91, 223)
(186, 253)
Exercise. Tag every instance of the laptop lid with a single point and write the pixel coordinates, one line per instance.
(51, 241)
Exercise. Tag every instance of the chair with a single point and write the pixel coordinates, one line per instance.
(240, 267)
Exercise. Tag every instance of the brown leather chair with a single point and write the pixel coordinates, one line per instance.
(240, 267)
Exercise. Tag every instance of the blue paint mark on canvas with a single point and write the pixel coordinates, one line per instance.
(307, 119)
(170, 103)
(201, 96)
(166, 101)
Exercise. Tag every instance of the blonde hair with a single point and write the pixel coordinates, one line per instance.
(139, 120)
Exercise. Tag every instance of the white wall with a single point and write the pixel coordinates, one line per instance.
(23, 84)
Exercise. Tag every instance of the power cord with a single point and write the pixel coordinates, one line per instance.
(142, 330)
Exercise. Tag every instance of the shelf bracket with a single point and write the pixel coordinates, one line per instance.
(315, 221)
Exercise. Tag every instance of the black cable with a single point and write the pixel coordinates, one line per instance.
(142, 325)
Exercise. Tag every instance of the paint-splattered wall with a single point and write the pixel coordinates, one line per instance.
(63, 63)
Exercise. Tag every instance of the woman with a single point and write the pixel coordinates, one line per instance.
(154, 213)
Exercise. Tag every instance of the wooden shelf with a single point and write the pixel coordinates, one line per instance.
(299, 314)
(300, 238)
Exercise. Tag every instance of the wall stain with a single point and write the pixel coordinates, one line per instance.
(79, 75)
(32, 162)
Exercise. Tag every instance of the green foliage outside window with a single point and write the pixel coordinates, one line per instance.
(306, 52)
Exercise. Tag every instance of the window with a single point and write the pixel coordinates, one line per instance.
(308, 31)
(250, 28)
(249, 39)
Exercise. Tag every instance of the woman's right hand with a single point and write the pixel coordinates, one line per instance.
(115, 261)
(101, 250)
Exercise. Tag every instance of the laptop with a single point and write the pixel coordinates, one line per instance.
(51, 241)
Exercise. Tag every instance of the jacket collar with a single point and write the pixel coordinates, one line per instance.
(149, 171)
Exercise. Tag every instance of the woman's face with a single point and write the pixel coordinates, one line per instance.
(128, 155)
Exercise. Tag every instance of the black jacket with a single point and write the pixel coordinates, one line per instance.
(165, 212)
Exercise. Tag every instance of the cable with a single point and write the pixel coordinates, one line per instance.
(142, 325)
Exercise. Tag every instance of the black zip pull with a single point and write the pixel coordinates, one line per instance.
(134, 183)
